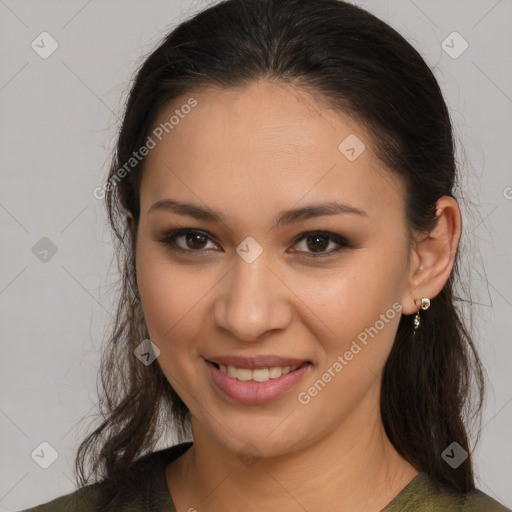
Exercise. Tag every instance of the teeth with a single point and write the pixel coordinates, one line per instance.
(274, 372)
(243, 374)
(259, 375)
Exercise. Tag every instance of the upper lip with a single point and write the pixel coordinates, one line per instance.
(253, 363)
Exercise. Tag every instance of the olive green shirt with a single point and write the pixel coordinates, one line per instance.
(151, 493)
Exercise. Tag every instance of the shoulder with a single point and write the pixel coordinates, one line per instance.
(437, 496)
(478, 501)
(85, 499)
(144, 488)
(425, 494)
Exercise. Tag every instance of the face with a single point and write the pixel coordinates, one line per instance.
(320, 289)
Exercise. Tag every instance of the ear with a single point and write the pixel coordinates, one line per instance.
(129, 218)
(131, 225)
(433, 256)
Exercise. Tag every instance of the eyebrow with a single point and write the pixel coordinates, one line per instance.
(282, 219)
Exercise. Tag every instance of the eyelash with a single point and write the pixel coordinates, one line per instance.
(169, 240)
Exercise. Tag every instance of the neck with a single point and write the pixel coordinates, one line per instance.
(352, 468)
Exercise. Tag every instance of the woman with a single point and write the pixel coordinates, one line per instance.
(283, 196)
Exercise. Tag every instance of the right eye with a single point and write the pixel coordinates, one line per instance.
(193, 240)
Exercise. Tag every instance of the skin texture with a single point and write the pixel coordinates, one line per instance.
(250, 153)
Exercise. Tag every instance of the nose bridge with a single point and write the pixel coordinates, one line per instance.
(252, 300)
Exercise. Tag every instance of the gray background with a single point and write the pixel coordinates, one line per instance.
(58, 120)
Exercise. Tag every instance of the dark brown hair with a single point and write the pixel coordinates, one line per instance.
(363, 67)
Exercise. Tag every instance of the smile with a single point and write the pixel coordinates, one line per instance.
(256, 386)
(259, 375)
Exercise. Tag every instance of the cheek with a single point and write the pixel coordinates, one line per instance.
(170, 296)
(359, 304)
(362, 314)
(354, 297)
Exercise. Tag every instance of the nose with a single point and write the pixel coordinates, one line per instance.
(252, 301)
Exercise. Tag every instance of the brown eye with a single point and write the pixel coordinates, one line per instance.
(192, 240)
(195, 240)
(316, 243)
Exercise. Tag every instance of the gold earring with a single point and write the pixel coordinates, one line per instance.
(423, 303)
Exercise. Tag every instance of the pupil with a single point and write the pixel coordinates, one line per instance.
(319, 242)
(193, 238)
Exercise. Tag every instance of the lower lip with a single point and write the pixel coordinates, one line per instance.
(252, 392)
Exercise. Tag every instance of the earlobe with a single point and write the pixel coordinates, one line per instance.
(434, 255)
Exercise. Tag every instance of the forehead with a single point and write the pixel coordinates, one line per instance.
(264, 146)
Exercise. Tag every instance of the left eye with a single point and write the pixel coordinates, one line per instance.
(318, 241)
(315, 241)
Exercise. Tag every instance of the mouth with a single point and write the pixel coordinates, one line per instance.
(257, 385)
(257, 374)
